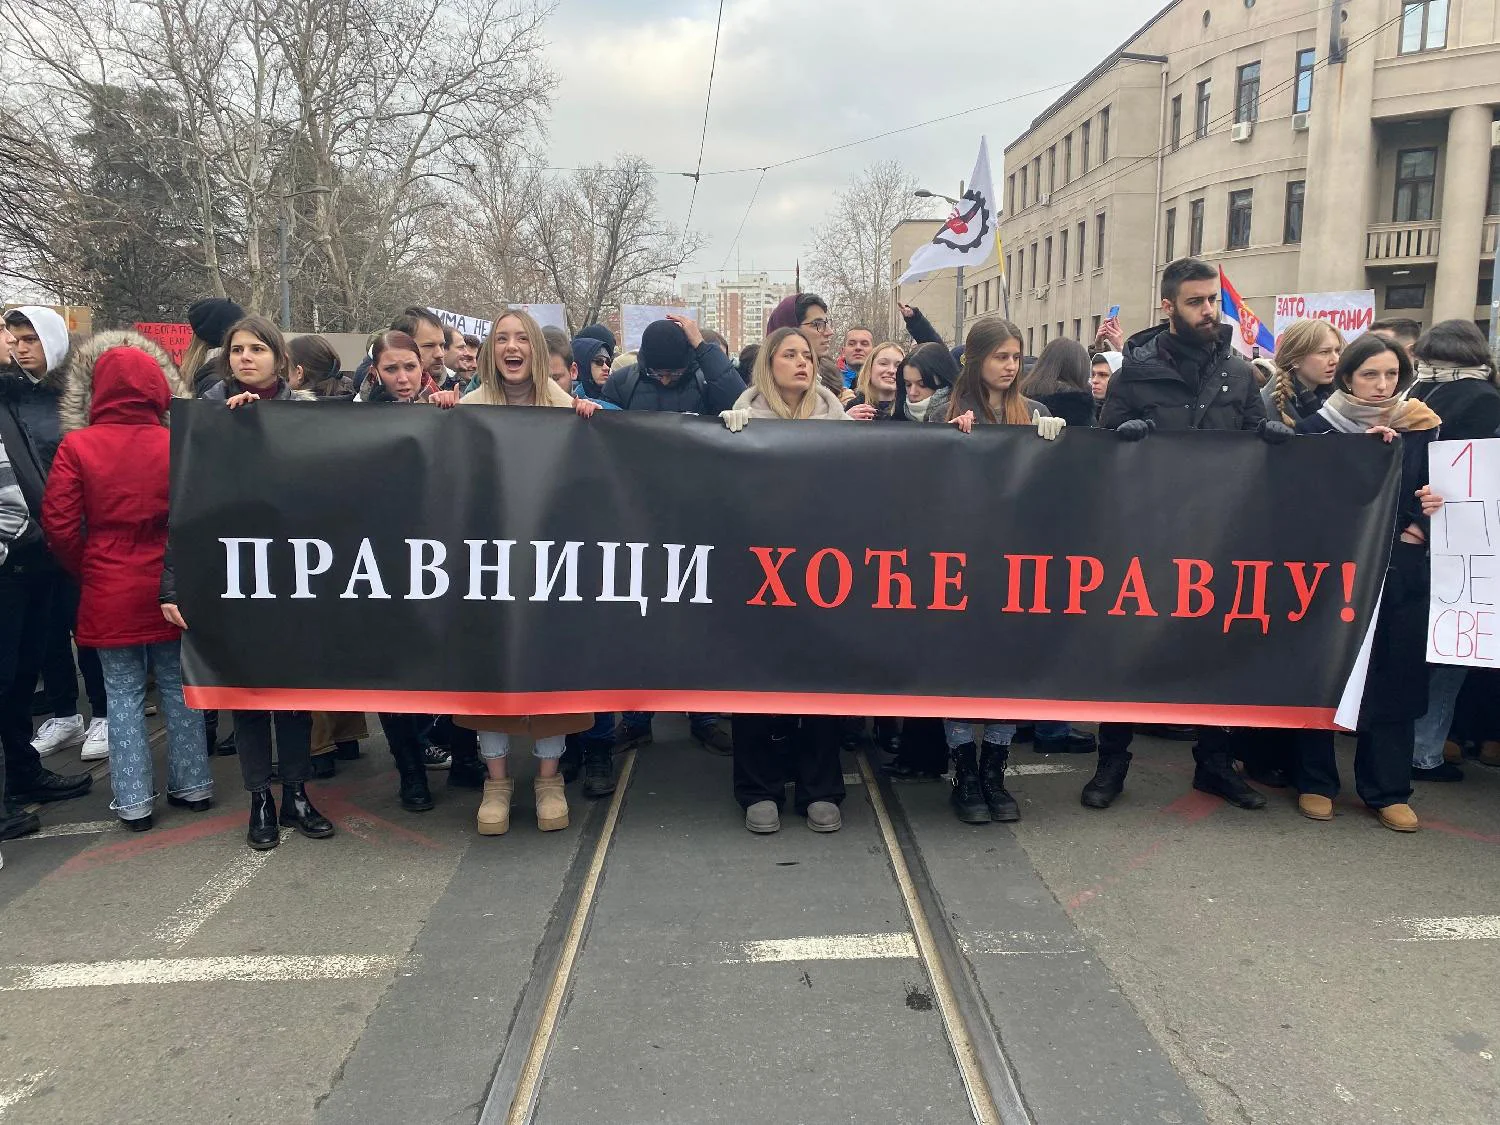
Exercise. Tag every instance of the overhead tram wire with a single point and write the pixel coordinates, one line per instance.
(743, 218)
(708, 100)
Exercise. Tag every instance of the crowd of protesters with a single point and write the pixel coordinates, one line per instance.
(87, 589)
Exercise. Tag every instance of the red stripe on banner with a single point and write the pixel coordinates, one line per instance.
(750, 703)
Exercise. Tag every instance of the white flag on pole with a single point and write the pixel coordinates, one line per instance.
(968, 237)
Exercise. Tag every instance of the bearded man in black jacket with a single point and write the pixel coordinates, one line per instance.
(1183, 375)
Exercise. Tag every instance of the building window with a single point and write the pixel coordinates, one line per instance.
(1405, 297)
(1085, 151)
(1103, 138)
(1176, 133)
(1052, 168)
(1099, 237)
(1424, 25)
(1195, 228)
(1302, 99)
(1036, 174)
(986, 296)
(1033, 264)
(1068, 159)
(1171, 243)
(1200, 121)
(1296, 195)
(1247, 93)
(1239, 219)
(1078, 329)
(1023, 187)
(1494, 203)
(1031, 341)
(1060, 326)
(1096, 327)
(1062, 255)
(1044, 335)
(1007, 267)
(1416, 175)
(1082, 234)
(1010, 192)
(1047, 262)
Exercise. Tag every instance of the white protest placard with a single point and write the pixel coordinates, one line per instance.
(548, 316)
(1463, 622)
(1351, 312)
(634, 318)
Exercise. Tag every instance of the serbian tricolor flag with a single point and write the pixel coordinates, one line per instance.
(1249, 332)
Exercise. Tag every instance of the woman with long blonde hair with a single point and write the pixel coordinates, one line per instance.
(513, 371)
(513, 367)
(1307, 355)
(878, 390)
(784, 384)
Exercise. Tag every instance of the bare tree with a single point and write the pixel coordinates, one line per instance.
(598, 239)
(850, 260)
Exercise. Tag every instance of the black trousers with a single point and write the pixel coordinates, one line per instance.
(770, 750)
(403, 733)
(1115, 738)
(1382, 763)
(25, 600)
(59, 676)
(252, 741)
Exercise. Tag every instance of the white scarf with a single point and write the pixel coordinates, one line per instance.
(1427, 373)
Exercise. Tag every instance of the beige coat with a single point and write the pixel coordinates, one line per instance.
(827, 409)
(480, 396)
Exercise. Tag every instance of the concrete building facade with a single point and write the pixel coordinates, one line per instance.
(737, 308)
(1304, 146)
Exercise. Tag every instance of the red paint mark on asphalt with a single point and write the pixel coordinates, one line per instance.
(1134, 863)
(1193, 806)
(334, 801)
(1458, 830)
(143, 843)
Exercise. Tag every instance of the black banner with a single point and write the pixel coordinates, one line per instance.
(506, 561)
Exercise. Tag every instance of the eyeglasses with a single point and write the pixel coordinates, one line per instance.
(822, 324)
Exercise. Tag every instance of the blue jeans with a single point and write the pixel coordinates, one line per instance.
(1443, 684)
(961, 731)
(130, 771)
(641, 720)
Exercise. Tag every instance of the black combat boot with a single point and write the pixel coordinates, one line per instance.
(967, 797)
(1002, 806)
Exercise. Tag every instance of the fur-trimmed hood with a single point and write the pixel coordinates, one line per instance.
(78, 392)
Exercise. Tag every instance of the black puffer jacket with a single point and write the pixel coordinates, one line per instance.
(1076, 408)
(1167, 380)
(709, 386)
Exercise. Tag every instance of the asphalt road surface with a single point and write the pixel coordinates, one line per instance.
(1171, 960)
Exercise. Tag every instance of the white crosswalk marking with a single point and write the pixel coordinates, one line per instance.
(190, 970)
(1474, 927)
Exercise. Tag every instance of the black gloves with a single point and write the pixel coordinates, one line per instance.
(1135, 428)
(1273, 432)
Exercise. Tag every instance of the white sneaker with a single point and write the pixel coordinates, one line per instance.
(58, 734)
(96, 742)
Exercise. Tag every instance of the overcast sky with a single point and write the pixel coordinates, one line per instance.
(796, 76)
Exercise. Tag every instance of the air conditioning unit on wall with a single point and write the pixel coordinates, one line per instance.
(1240, 131)
(1301, 122)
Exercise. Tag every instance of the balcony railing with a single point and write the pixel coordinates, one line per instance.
(1401, 243)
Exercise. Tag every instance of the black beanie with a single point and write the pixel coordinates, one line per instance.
(211, 318)
(664, 347)
(603, 335)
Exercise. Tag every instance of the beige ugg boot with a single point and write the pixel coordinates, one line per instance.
(551, 804)
(494, 807)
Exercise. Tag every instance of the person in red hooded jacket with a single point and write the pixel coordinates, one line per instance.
(104, 514)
